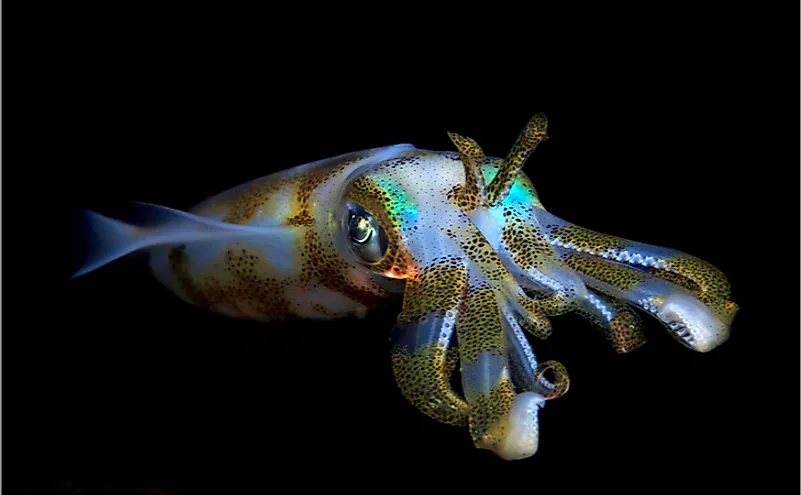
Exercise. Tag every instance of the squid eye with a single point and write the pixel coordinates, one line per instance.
(367, 237)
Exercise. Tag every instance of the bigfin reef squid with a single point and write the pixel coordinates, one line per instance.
(462, 237)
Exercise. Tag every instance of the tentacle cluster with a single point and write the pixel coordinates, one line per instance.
(504, 267)
(689, 296)
(454, 308)
(470, 301)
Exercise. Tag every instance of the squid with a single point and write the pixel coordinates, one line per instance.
(480, 264)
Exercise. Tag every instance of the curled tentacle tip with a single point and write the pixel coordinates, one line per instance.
(561, 381)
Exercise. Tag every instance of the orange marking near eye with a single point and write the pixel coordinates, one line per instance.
(408, 272)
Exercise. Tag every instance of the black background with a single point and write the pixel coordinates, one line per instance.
(673, 130)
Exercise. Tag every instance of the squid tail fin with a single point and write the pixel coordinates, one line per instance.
(107, 239)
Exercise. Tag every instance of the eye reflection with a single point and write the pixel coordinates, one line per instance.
(360, 229)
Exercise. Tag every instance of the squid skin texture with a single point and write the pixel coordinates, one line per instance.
(462, 237)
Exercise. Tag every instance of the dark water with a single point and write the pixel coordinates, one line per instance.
(111, 383)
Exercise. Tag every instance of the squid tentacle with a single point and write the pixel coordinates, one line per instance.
(561, 382)
(494, 354)
(526, 249)
(421, 360)
(700, 277)
(532, 318)
(527, 373)
(533, 313)
(685, 318)
(473, 193)
(615, 319)
(501, 420)
(698, 325)
(533, 134)
(535, 262)
(522, 360)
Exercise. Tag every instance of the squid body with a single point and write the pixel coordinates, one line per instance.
(463, 237)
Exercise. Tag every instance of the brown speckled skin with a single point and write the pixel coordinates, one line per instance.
(315, 280)
(477, 255)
